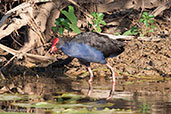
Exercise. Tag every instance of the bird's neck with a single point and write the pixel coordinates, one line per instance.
(62, 43)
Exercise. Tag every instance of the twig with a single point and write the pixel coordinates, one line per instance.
(80, 8)
(2, 76)
(36, 29)
(8, 62)
(142, 9)
(16, 40)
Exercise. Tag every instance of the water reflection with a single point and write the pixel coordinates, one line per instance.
(45, 97)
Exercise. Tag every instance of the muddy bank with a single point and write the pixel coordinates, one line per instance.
(141, 58)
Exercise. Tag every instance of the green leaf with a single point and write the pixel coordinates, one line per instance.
(65, 23)
(75, 28)
(93, 31)
(103, 22)
(153, 26)
(147, 68)
(151, 21)
(68, 28)
(146, 23)
(145, 15)
(61, 19)
(100, 16)
(98, 29)
(72, 18)
(132, 31)
(90, 24)
(127, 33)
(151, 16)
(70, 15)
(116, 33)
(141, 35)
(93, 14)
(96, 23)
(57, 22)
(98, 20)
(141, 20)
(151, 30)
(54, 29)
(93, 20)
(61, 30)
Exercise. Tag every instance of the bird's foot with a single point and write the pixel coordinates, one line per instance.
(90, 90)
(110, 96)
(89, 93)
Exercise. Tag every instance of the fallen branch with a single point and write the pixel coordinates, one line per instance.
(20, 54)
(122, 37)
(16, 24)
(161, 8)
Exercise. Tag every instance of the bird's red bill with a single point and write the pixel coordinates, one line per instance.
(53, 48)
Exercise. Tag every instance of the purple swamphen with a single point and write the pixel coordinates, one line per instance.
(90, 47)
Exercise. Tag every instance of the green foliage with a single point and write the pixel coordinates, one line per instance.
(97, 21)
(72, 18)
(132, 31)
(69, 23)
(61, 24)
(146, 21)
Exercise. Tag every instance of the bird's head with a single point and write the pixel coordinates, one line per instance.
(54, 45)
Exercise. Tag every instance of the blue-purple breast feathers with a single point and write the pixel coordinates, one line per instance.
(84, 52)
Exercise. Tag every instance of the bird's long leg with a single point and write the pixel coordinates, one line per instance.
(113, 82)
(90, 81)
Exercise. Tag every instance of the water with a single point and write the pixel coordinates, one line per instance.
(49, 97)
